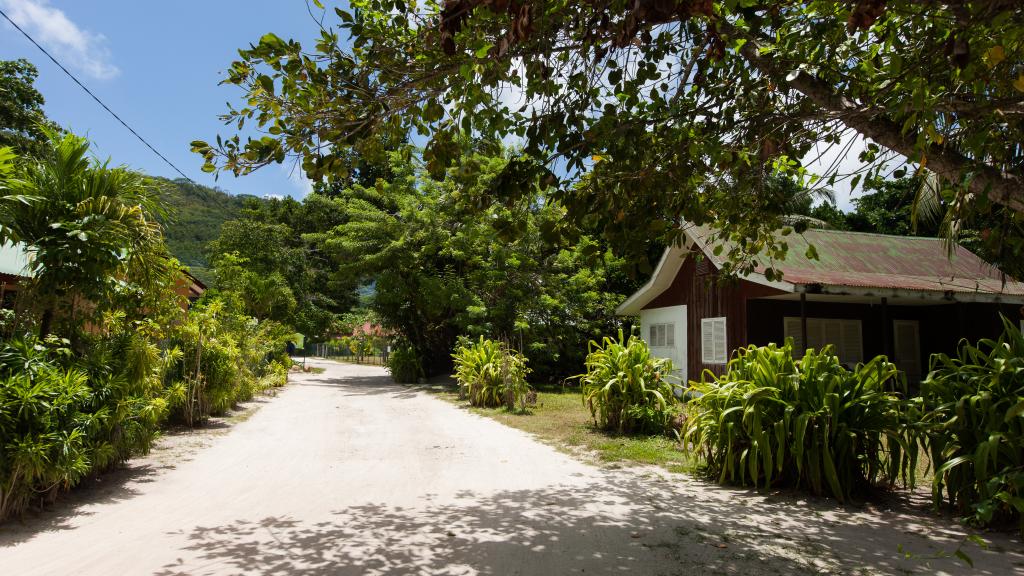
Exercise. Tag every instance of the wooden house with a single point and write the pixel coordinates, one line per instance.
(866, 294)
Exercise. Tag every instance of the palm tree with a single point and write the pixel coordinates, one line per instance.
(90, 229)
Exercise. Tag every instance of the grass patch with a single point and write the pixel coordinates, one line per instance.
(561, 420)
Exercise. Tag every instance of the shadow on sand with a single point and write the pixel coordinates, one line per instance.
(627, 525)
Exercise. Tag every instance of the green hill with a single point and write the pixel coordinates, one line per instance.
(197, 213)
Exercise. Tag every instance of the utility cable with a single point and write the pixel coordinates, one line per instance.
(94, 97)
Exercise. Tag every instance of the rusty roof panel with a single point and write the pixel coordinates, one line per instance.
(865, 260)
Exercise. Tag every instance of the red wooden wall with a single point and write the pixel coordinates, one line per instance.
(698, 287)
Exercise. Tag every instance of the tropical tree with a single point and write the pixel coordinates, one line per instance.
(91, 230)
(677, 108)
(22, 120)
(445, 261)
(269, 237)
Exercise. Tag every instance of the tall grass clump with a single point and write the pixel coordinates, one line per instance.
(772, 420)
(626, 388)
(490, 373)
(974, 417)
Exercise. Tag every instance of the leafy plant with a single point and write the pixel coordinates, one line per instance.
(974, 416)
(625, 386)
(490, 373)
(64, 417)
(773, 420)
(404, 365)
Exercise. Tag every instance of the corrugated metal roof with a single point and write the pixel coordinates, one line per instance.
(863, 260)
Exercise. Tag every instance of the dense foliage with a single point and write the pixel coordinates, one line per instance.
(771, 420)
(405, 365)
(92, 229)
(445, 262)
(264, 255)
(118, 351)
(677, 109)
(490, 373)
(64, 416)
(626, 388)
(198, 214)
(974, 412)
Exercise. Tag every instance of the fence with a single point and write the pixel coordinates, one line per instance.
(343, 354)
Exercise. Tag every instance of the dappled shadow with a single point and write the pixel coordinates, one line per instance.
(107, 488)
(621, 523)
(357, 384)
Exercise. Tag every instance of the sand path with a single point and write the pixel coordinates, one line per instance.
(346, 473)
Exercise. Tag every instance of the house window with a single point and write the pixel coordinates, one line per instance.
(843, 334)
(712, 340)
(662, 335)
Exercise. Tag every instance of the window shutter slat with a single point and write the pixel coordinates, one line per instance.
(707, 334)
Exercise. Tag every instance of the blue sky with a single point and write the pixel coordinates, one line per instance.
(158, 65)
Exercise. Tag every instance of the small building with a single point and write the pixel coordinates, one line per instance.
(866, 294)
(15, 268)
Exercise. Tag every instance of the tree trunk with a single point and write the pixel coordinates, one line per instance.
(46, 322)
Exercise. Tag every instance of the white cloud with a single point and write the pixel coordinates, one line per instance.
(297, 177)
(80, 49)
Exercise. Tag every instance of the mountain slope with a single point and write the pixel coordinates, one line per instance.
(196, 215)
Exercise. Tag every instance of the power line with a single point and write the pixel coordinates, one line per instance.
(94, 97)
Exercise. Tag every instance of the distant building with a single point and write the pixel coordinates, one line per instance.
(15, 270)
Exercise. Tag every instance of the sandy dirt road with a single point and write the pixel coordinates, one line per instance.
(345, 473)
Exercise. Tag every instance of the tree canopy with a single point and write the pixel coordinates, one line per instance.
(22, 120)
(675, 109)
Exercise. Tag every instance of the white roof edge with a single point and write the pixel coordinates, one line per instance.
(664, 274)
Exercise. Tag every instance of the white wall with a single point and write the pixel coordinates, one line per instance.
(669, 314)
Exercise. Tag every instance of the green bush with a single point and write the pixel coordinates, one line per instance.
(491, 374)
(404, 365)
(773, 420)
(64, 417)
(626, 387)
(225, 358)
(974, 416)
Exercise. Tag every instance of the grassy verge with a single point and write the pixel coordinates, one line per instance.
(561, 420)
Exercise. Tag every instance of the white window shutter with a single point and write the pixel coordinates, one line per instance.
(670, 334)
(652, 338)
(707, 335)
(714, 348)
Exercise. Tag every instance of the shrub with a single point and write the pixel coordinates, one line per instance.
(770, 419)
(491, 374)
(626, 388)
(974, 416)
(64, 417)
(404, 365)
(225, 358)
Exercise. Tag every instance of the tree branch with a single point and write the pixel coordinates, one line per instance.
(1001, 187)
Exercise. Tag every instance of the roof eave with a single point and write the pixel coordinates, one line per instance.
(903, 293)
(664, 274)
